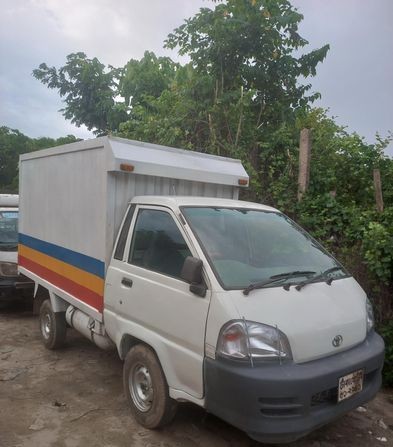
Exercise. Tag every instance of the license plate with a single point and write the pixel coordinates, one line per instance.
(350, 384)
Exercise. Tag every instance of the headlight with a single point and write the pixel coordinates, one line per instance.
(370, 315)
(8, 269)
(240, 339)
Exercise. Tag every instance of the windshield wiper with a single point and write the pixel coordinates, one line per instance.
(260, 284)
(276, 278)
(294, 273)
(320, 276)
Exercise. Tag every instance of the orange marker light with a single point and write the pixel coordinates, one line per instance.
(126, 167)
(243, 182)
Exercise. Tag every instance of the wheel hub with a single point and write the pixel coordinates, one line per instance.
(46, 326)
(141, 387)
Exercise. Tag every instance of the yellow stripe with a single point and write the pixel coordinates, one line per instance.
(79, 276)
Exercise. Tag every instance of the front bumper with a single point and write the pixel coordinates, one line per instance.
(8, 285)
(281, 403)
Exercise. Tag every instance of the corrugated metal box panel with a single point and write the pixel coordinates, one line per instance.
(62, 200)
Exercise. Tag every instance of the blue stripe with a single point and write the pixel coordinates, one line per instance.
(83, 262)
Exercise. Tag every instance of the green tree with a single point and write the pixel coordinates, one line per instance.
(251, 44)
(88, 89)
(241, 91)
(14, 143)
(177, 117)
(146, 78)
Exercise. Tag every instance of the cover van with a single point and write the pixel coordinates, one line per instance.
(208, 299)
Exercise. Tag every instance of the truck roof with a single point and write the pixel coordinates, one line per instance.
(178, 201)
(124, 155)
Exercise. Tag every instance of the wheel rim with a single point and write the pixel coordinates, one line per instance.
(46, 325)
(141, 387)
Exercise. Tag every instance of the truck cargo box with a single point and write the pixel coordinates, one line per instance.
(73, 199)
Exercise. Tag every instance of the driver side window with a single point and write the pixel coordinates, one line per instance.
(157, 243)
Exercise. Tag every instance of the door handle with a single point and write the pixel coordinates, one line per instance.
(127, 282)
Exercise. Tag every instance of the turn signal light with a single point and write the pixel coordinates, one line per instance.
(243, 182)
(126, 167)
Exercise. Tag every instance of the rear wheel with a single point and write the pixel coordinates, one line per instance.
(146, 388)
(52, 326)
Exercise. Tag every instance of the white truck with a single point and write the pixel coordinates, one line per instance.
(10, 280)
(208, 299)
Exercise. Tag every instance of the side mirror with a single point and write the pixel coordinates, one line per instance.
(192, 273)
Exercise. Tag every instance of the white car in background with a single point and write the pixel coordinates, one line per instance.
(10, 280)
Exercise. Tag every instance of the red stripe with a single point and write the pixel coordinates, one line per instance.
(82, 293)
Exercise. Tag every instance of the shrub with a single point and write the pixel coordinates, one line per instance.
(386, 330)
(378, 250)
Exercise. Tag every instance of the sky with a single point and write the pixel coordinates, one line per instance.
(355, 80)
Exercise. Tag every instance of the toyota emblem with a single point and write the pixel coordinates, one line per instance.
(337, 341)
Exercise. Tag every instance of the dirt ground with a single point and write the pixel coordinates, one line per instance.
(74, 398)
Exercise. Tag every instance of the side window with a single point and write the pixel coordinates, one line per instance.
(157, 243)
(121, 244)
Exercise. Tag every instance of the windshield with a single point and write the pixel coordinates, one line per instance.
(247, 246)
(8, 229)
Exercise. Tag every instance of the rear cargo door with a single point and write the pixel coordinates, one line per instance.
(146, 297)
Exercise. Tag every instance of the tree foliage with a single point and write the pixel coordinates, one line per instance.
(247, 52)
(251, 44)
(12, 144)
(89, 91)
(146, 78)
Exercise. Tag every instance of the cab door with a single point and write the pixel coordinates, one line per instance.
(146, 294)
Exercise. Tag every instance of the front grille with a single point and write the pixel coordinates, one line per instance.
(324, 397)
(297, 406)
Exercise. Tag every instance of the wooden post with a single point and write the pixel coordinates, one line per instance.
(378, 190)
(304, 162)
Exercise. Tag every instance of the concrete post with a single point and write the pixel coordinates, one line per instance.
(304, 162)
(378, 190)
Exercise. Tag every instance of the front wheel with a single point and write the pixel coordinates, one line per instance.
(146, 388)
(53, 326)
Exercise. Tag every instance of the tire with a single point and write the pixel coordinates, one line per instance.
(146, 388)
(52, 326)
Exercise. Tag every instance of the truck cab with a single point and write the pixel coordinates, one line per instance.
(248, 315)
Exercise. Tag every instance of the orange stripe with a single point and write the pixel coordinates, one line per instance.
(81, 277)
(82, 293)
